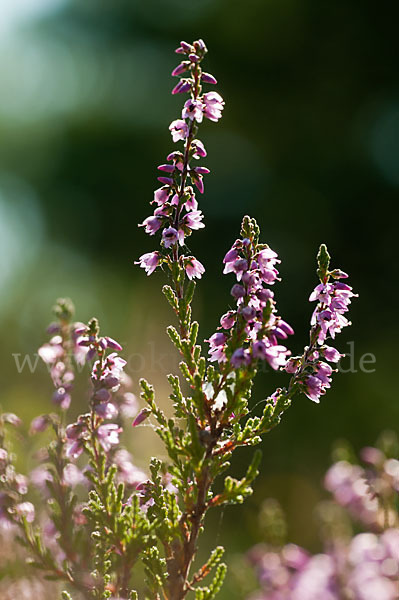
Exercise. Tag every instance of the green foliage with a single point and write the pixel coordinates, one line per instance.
(208, 593)
(235, 491)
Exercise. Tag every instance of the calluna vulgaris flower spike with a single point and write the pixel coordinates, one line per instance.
(176, 214)
(126, 516)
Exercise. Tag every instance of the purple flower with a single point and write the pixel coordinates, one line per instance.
(292, 365)
(193, 220)
(237, 291)
(128, 405)
(151, 224)
(181, 68)
(106, 410)
(248, 312)
(142, 416)
(231, 256)
(198, 149)
(149, 262)
(128, 473)
(169, 237)
(313, 388)
(200, 170)
(74, 448)
(166, 168)
(208, 78)
(217, 347)
(240, 358)
(108, 435)
(166, 180)
(227, 320)
(39, 424)
(161, 195)
(259, 349)
(193, 109)
(62, 398)
(194, 268)
(197, 180)
(217, 339)
(182, 87)
(75, 435)
(179, 130)
(184, 48)
(113, 344)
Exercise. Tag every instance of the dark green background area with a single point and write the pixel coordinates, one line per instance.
(308, 145)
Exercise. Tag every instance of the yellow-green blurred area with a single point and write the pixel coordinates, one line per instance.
(308, 145)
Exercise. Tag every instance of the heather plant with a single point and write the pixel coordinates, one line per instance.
(106, 527)
(356, 565)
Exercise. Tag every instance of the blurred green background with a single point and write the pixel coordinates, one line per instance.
(308, 144)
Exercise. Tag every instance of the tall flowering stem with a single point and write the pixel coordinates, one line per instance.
(213, 420)
(176, 214)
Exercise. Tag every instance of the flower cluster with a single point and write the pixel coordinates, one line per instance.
(363, 567)
(176, 214)
(14, 488)
(61, 349)
(367, 492)
(106, 378)
(310, 371)
(253, 330)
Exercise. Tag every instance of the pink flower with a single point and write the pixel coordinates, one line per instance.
(214, 105)
(276, 356)
(193, 109)
(198, 149)
(108, 435)
(151, 224)
(292, 365)
(193, 220)
(194, 268)
(170, 236)
(179, 130)
(27, 510)
(227, 320)
(149, 261)
(314, 388)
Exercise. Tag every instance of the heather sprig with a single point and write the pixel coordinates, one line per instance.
(212, 421)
